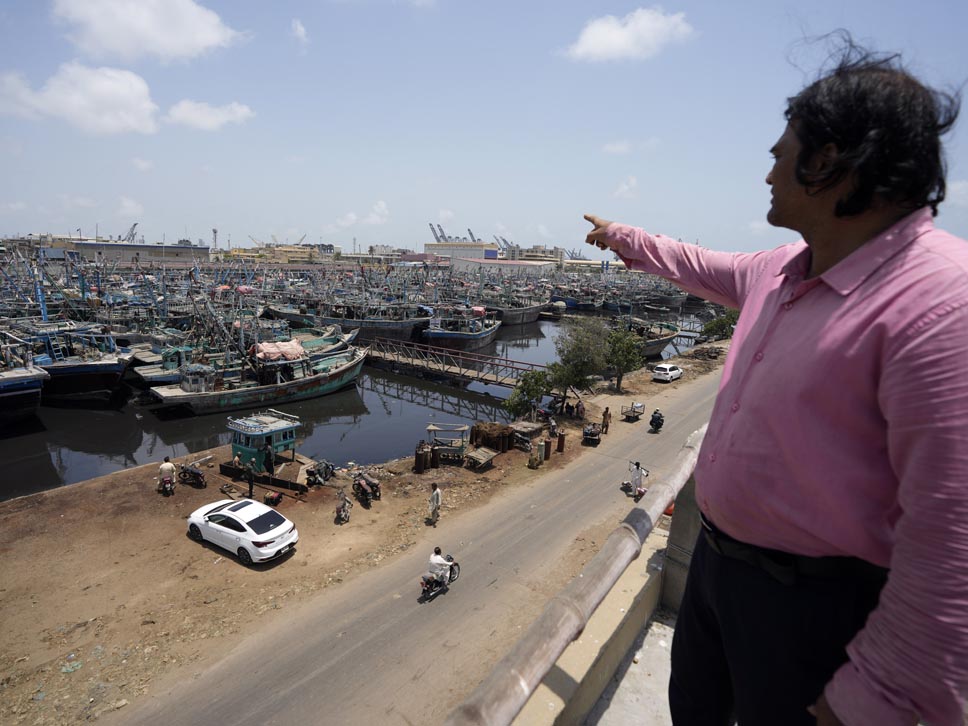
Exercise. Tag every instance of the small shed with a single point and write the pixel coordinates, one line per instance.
(250, 434)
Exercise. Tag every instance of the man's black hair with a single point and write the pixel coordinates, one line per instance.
(886, 125)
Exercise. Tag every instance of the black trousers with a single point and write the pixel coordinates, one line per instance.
(750, 648)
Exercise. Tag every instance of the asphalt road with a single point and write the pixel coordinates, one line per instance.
(368, 653)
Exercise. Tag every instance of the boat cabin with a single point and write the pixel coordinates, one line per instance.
(250, 434)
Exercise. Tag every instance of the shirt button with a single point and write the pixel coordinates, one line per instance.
(734, 408)
(759, 355)
(787, 306)
(712, 457)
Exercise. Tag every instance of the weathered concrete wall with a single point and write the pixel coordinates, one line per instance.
(682, 539)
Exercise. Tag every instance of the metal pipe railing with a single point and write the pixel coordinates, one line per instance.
(503, 693)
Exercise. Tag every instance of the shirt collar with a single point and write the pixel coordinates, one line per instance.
(848, 274)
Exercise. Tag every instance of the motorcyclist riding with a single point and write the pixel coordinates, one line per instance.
(439, 568)
(165, 471)
(657, 420)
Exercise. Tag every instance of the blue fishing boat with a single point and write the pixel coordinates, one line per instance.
(21, 381)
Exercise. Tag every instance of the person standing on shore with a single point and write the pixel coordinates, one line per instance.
(842, 530)
(268, 459)
(606, 420)
(434, 504)
(250, 475)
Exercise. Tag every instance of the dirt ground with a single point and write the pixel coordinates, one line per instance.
(102, 592)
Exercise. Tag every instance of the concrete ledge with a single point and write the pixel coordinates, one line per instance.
(573, 686)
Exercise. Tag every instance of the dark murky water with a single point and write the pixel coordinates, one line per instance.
(382, 418)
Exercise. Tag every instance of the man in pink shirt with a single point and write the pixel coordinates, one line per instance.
(829, 584)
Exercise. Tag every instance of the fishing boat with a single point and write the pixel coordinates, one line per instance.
(391, 321)
(83, 361)
(21, 381)
(461, 328)
(268, 381)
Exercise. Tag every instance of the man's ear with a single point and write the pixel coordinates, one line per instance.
(825, 159)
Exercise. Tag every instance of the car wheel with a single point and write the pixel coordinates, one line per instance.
(195, 533)
(244, 557)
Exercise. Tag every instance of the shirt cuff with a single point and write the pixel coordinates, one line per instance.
(621, 239)
(857, 704)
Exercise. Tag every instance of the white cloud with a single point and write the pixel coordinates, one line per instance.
(165, 29)
(142, 164)
(641, 34)
(96, 100)
(445, 215)
(11, 207)
(626, 190)
(347, 220)
(202, 116)
(130, 208)
(759, 226)
(957, 193)
(378, 215)
(71, 202)
(617, 147)
(298, 31)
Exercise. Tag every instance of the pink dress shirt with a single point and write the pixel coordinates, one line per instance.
(840, 429)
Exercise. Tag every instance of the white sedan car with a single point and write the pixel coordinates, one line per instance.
(253, 531)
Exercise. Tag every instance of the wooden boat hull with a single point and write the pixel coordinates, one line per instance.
(517, 316)
(20, 394)
(232, 399)
(460, 340)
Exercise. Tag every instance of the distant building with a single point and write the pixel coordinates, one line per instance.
(538, 253)
(534, 268)
(105, 249)
(277, 254)
(468, 250)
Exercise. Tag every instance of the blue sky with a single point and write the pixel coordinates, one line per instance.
(367, 119)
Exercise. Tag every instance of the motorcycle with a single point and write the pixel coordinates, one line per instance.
(366, 488)
(321, 471)
(167, 486)
(656, 423)
(522, 441)
(188, 474)
(430, 586)
(343, 508)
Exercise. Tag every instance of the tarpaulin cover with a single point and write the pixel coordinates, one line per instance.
(290, 350)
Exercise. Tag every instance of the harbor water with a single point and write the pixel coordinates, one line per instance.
(381, 418)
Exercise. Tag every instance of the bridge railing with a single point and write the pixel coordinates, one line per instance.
(503, 693)
(463, 364)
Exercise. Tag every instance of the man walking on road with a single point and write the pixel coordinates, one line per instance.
(606, 420)
(434, 504)
(837, 514)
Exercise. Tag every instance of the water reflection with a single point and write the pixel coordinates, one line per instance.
(381, 418)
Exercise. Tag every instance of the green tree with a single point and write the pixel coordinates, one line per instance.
(581, 353)
(531, 388)
(623, 352)
(721, 327)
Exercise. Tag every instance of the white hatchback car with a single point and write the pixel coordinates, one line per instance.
(253, 531)
(666, 372)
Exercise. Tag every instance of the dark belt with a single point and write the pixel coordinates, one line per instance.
(787, 568)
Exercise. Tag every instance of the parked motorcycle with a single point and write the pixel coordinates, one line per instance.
(522, 441)
(430, 586)
(167, 486)
(366, 488)
(656, 422)
(189, 474)
(343, 507)
(321, 471)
